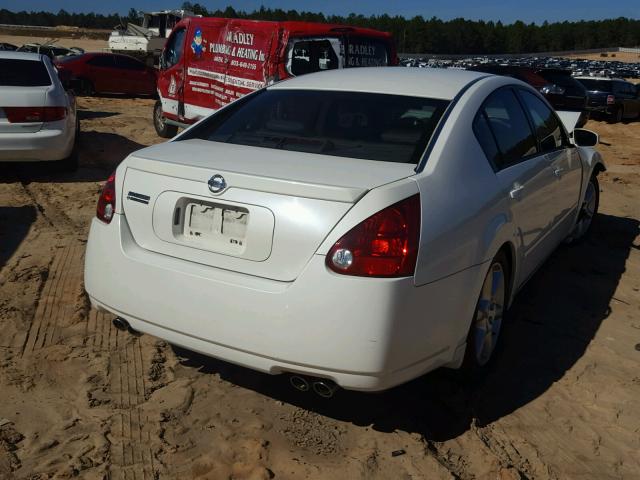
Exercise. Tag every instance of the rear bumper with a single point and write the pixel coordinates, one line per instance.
(53, 142)
(365, 334)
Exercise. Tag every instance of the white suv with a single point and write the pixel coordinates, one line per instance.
(38, 119)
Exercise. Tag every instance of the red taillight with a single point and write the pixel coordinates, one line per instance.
(384, 245)
(107, 201)
(611, 99)
(34, 114)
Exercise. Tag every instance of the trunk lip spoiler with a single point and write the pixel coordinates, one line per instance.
(314, 191)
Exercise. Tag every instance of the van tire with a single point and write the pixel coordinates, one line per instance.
(162, 128)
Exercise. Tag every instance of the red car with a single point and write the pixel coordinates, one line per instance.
(109, 73)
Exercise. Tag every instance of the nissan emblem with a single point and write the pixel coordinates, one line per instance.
(217, 183)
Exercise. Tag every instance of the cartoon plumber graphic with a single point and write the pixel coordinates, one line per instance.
(197, 46)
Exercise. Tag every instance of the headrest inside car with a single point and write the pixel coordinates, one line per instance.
(285, 126)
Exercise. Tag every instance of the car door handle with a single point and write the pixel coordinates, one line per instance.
(516, 191)
(557, 171)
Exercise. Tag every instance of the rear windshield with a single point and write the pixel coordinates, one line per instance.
(599, 85)
(23, 73)
(562, 79)
(370, 126)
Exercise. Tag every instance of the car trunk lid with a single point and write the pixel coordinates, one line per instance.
(14, 99)
(275, 209)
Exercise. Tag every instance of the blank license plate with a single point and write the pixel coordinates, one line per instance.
(216, 223)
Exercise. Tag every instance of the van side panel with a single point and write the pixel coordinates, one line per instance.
(248, 68)
(206, 57)
(225, 60)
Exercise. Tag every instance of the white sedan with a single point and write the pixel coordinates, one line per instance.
(37, 116)
(355, 227)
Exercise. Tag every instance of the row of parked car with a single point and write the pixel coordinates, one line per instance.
(605, 67)
(595, 87)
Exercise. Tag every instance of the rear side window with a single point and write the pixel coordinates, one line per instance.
(597, 85)
(370, 126)
(102, 61)
(510, 127)
(486, 139)
(127, 63)
(547, 126)
(23, 73)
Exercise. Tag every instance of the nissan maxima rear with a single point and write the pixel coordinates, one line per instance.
(361, 226)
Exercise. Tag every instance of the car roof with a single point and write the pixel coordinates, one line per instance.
(10, 54)
(418, 82)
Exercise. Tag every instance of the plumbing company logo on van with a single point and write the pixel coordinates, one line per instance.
(197, 45)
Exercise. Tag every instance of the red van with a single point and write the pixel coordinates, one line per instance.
(209, 62)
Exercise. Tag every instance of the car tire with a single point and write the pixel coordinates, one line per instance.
(70, 164)
(588, 210)
(87, 88)
(162, 128)
(617, 115)
(488, 317)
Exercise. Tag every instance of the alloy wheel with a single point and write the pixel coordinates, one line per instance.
(489, 313)
(587, 211)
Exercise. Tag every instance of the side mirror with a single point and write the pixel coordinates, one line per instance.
(162, 62)
(585, 138)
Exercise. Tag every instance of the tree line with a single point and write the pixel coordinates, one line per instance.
(412, 35)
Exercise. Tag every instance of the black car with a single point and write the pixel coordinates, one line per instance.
(569, 94)
(617, 99)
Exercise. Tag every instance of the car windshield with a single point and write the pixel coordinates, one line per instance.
(597, 85)
(370, 126)
(23, 73)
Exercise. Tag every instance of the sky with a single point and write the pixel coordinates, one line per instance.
(506, 11)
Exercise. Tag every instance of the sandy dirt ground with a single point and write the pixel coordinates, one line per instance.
(80, 398)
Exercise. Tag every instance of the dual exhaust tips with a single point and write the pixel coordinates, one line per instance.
(121, 324)
(324, 388)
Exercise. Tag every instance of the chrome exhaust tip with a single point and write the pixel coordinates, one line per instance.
(325, 388)
(121, 324)
(299, 383)
(134, 332)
